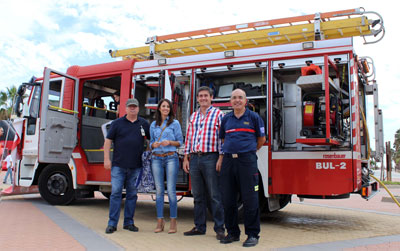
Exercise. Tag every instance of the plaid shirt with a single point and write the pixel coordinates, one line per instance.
(203, 131)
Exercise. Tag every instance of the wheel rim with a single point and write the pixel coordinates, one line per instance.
(57, 184)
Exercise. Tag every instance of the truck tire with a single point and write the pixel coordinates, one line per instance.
(285, 199)
(55, 185)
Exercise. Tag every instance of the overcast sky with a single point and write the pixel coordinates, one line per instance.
(58, 34)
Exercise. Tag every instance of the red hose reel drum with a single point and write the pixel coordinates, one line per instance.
(311, 70)
(308, 113)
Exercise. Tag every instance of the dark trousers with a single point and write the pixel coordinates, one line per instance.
(204, 178)
(240, 175)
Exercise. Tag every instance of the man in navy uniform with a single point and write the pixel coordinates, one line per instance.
(243, 133)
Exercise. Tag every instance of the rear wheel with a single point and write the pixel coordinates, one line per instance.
(55, 185)
(285, 199)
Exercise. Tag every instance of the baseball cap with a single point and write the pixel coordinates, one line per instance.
(132, 101)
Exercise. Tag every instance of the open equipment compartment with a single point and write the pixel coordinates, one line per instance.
(301, 107)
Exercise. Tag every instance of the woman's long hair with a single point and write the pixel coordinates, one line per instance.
(158, 113)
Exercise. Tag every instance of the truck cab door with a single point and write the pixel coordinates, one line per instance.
(58, 117)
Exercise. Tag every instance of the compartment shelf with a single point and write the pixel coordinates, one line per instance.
(313, 83)
(227, 99)
(317, 141)
(152, 83)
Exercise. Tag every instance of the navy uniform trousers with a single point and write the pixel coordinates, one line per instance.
(239, 175)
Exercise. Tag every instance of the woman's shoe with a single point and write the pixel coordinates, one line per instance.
(172, 226)
(160, 226)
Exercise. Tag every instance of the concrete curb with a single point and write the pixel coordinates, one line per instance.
(84, 235)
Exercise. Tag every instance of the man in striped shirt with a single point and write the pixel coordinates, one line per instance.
(203, 159)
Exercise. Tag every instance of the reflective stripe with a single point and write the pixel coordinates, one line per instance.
(240, 130)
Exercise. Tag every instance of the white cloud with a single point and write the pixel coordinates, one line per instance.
(89, 43)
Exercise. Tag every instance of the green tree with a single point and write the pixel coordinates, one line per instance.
(7, 98)
(396, 149)
(3, 99)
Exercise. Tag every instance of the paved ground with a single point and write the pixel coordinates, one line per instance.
(29, 223)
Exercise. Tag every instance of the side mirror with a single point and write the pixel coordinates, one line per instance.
(18, 106)
(21, 90)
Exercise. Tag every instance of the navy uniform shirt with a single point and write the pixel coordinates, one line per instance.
(240, 134)
(128, 141)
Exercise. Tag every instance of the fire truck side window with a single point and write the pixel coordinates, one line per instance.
(55, 93)
(34, 111)
(98, 110)
(54, 100)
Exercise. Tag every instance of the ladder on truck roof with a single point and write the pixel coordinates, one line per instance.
(329, 25)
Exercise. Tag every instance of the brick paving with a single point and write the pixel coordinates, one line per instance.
(28, 223)
(24, 227)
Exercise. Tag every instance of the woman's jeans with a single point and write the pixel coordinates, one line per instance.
(168, 165)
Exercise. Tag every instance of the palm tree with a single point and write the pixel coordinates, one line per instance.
(7, 98)
(3, 99)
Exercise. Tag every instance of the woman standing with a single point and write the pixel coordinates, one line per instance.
(165, 137)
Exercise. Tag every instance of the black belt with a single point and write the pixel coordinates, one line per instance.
(202, 153)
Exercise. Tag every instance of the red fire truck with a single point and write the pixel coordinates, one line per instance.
(300, 74)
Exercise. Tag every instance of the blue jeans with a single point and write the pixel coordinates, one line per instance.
(168, 165)
(121, 177)
(205, 186)
(9, 172)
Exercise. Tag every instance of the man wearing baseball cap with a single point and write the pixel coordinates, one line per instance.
(128, 134)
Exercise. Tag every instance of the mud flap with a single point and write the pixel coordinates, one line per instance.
(273, 204)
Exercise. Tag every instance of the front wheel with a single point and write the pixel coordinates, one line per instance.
(55, 185)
